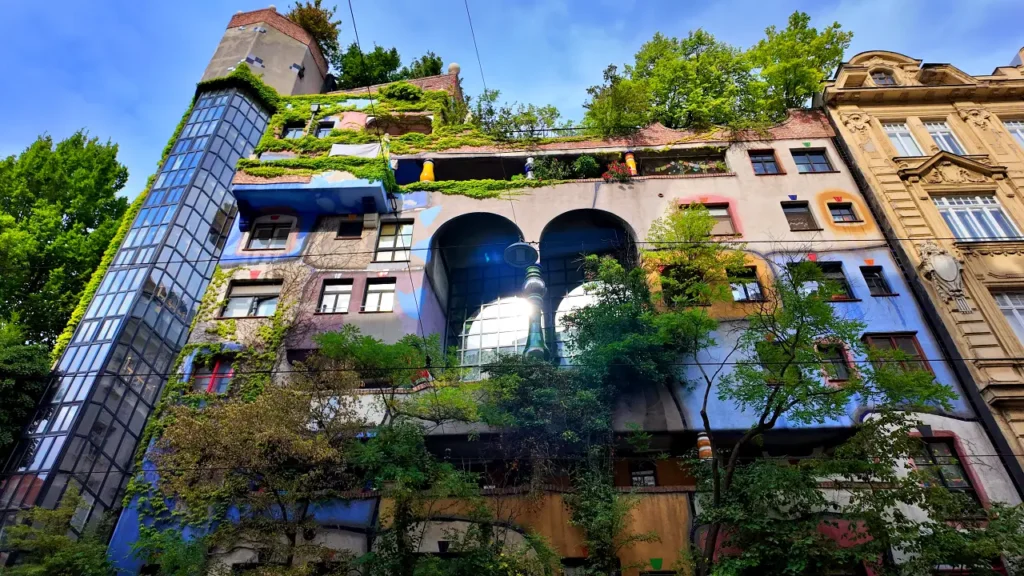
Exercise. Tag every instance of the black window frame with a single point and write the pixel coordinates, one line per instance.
(749, 276)
(321, 125)
(274, 227)
(843, 206)
(323, 292)
(286, 131)
(391, 281)
(833, 273)
(874, 277)
(399, 224)
(256, 299)
(763, 158)
(810, 216)
(814, 167)
(927, 461)
(834, 361)
(640, 469)
(351, 235)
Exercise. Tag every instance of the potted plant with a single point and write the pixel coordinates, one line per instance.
(617, 172)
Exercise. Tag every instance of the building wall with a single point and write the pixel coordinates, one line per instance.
(975, 109)
(281, 46)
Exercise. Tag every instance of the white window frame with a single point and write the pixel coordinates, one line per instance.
(902, 139)
(944, 138)
(394, 242)
(379, 296)
(961, 214)
(1016, 129)
(1011, 303)
(338, 293)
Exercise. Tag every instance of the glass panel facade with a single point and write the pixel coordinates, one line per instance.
(112, 372)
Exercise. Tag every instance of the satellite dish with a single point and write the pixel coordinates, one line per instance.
(520, 255)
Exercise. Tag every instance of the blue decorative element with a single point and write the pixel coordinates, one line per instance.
(324, 194)
(529, 168)
(792, 196)
(427, 216)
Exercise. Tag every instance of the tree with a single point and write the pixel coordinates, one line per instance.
(796, 61)
(59, 209)
(317, 20)
(698, 81)
(506, 121)
(45, 547)
(357, 69)
(618, 107)
(427, 65)
(23, 377)
(272, 456)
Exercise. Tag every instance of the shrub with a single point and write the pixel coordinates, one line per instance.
(402, 91)
(551, 168)
(586, 166)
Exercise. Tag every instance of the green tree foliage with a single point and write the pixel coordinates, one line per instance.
(170, 552)
(619, 107)
(59, 209)
(45, 547)
(357, 69)
(795, 61)
(23, 372)
(698, 81)
(506, 121)
(427, 65)
(317, 20)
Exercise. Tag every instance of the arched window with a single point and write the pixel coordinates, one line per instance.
(583, 295)
(270, 232)
(883, 78)
(499, 327)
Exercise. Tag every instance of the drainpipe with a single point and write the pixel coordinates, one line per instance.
(931, 315)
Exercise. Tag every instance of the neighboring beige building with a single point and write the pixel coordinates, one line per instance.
(942, 156)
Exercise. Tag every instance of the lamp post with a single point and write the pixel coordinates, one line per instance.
(524, 255)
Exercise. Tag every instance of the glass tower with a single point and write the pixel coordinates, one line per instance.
(87, 428)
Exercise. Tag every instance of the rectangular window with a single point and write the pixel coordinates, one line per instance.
(323, 129)
(1016, 129)
(764, 162)
(843, 212)
(269, 237)
(799, 216)
(976, 217)
(335, 297)
(294, 131)
(938, 460)
(723, 220)
(875, 280)
(643, 473)
(883, 78)
(394, 242)
(905, 343)
(833, 272)
(745, 286)
(380, 295)
(944, 137)
(350, 228)
(252, 300)
(214, 379)
(1012, 305)
(811, 161)
(901, 138)
(834, 358)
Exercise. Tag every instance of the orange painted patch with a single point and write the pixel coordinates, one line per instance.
(869, 261)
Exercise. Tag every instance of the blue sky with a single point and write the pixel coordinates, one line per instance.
(126, 69)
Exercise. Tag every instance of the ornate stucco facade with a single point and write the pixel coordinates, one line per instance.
(941, 155)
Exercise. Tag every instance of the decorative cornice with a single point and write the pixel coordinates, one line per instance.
(998, 247)
(947, 168)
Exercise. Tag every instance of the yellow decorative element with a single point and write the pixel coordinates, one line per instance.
(427, 175)
(631, 163)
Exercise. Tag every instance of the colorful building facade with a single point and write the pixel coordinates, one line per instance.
(347, 248)
(940, 154)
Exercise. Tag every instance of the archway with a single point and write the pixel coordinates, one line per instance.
(564, 244)
(479, 291)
